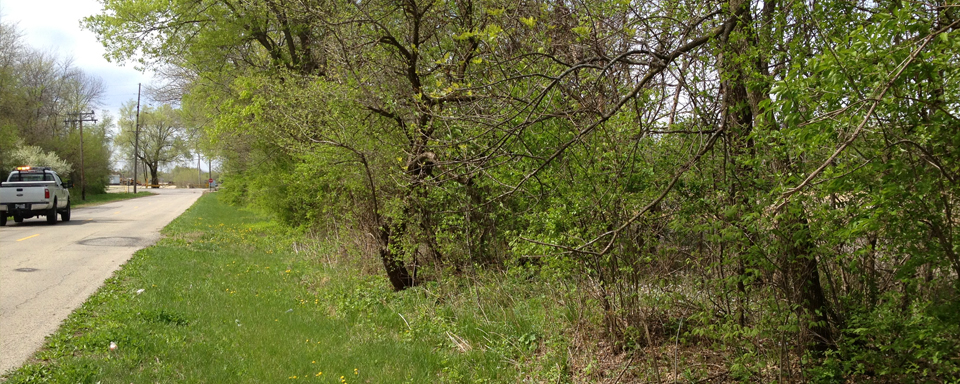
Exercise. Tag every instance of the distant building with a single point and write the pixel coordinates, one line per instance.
(114, 179)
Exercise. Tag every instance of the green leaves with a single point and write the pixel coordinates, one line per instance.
(614, 143)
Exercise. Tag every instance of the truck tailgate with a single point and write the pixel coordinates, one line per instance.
(24, 192)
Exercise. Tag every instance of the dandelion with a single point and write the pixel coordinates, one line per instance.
(318, 374)
(355, 372)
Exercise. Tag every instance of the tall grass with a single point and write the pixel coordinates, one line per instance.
(231, 297)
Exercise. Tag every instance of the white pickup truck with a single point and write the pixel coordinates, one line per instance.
(34, 192)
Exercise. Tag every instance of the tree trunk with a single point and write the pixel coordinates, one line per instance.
(741, 59)
(392, 260)
(479, 225)
(739, 125)
(154, 178)
(803, 274)
(145, 170)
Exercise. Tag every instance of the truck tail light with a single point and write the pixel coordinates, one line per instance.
(46, 193)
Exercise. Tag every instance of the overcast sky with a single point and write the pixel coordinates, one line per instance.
(54, 26)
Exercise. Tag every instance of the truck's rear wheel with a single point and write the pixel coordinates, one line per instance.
(17, 218)
(3, 219)
(52, 213)
(65, 214)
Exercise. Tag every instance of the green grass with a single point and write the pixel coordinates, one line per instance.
(102, 198)
(226, 299)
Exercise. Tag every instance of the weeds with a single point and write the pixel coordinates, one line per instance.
(227, 296)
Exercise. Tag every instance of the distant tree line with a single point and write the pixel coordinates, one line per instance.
(779, 178)
(39, 92)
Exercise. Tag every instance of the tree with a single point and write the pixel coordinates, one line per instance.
(28, 154)
(757, 151)
(37, 92)
(10, 50)
(162, 137)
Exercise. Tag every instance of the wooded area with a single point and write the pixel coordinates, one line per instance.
(41, 96)
(777, 179)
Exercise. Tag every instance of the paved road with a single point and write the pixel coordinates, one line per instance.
(47, 271)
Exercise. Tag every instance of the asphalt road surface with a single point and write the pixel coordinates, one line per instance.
(47, 271)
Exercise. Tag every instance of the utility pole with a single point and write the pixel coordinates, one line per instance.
(136, 145)
(80, 118)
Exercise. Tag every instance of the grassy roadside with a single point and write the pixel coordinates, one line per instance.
(228, 296)
(103, 198)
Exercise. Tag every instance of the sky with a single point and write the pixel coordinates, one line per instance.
(54, 26)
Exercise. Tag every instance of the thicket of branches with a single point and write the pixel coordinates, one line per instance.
(780, 178)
